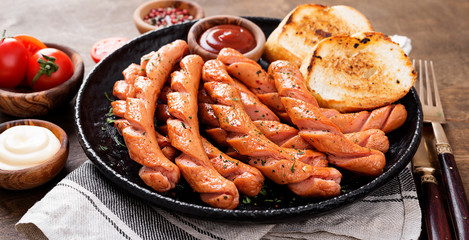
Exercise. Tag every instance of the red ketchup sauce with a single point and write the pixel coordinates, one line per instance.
(218, 37)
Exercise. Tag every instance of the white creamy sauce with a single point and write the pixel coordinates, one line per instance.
(26, 146)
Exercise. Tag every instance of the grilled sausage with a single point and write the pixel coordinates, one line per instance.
(183, 131)
(320, 132)
(247, 179)
(285, 135)
(386, 118)
(278, 164)
(139, 133)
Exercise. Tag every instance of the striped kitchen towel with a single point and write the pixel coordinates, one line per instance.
(85, 205)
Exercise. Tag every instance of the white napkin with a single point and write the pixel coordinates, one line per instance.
(85, 205)
(404, 42)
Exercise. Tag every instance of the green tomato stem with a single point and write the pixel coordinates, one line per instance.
(48, 66)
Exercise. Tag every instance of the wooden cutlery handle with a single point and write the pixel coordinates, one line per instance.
(434, 209)
(458, 204)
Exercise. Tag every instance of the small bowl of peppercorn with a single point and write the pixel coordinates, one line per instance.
(157, 14)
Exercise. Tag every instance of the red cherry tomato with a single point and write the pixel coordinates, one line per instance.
(31, 43)
(13, 62)
(58, 70)
(106, 46)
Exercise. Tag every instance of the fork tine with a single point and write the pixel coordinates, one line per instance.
(417, 87)
(427, 89)
(428, 86)
(420, 88)
(435, 86)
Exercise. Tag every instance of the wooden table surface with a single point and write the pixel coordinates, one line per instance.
(439, 31)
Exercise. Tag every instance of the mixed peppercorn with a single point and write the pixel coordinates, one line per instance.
(162, 17)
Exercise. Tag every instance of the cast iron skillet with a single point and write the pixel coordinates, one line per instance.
(103, 145)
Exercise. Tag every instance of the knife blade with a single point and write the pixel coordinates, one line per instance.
(424, 166)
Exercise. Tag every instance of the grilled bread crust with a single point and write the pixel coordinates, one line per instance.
(359, 72)
(306, 25)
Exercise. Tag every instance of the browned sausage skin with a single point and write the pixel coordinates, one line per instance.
(138, 131)
(216, 71)
(320, 132)
(183, 132)
(285, 135)
(278, 164)
(290, 83)
(386, 118)
(247, 179)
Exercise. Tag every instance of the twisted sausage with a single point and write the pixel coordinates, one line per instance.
(137, 130)
(320, 132)
(386, 118)
(281, 165)
(183, 132)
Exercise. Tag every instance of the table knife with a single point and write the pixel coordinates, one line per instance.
(433, 207)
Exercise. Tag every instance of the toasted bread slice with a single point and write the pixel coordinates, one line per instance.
(360, 72)
(306, 25)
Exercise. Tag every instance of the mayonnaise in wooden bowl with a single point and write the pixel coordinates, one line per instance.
(32, 152)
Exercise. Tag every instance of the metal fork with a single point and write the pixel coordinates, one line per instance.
(433, 113)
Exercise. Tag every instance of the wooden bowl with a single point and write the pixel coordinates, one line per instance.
(199, 27)
(22, 102)
(37, 175)
(193, 8)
